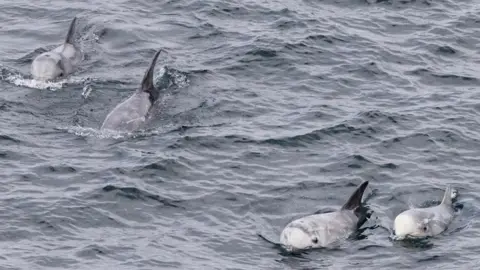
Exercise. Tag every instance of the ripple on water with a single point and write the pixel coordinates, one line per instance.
(269, 111)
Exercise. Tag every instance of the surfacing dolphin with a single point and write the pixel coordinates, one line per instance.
(323, 230)
(131, 113)
(59, 62)
(423, 222)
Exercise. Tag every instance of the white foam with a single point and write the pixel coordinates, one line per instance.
(31, 83)
(87, 89)
(92, 132)
(107, 134)
(19, 80)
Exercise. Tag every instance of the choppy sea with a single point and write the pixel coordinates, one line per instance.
(270, 110)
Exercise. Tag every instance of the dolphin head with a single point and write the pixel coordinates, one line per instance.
(296, 238)
(412, 223)
(47, 66)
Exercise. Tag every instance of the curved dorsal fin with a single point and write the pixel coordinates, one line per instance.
(356, 198)
(71, 32)
(147, 82)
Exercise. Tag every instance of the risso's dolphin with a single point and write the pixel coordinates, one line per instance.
(323, 230)
(423, 222)
(131, 113)
(59, 62)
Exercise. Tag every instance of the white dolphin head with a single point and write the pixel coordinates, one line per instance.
(294, 238)
(47, 66)
(412, 223)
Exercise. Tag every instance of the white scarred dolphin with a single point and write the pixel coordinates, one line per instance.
(323, 230)
(423, 222)
(59, 62)
(131, 114)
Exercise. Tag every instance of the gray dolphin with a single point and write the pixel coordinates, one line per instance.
(323, 230)
(131, 113)
(59, 62)
(423, 222)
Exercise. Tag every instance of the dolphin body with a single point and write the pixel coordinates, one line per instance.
(131, 114)
(324, 230)
(59, 62)
(424, 222)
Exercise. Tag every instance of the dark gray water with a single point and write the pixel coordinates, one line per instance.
(271, 110)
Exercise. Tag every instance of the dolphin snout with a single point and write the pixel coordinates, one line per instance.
(294, 238)
(46, 67)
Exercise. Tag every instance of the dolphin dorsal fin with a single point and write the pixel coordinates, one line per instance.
(147, 82)
(447, 196)
(356, 198)
(70, 38)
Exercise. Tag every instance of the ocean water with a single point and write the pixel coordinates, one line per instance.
(270, 110)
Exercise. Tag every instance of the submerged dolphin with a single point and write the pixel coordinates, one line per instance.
(131, 113)
(60, 61)
(323, 230)
(423, 222)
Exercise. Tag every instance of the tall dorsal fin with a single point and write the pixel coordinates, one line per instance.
(356, 198)
(70, 38)
(147, 82)
(448, 195)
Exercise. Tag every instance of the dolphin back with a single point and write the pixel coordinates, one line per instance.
(70, 38)
(147, 82)
(356, 198)
(447, 197)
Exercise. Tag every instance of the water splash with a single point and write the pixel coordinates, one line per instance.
(92, 132)
(19, 79)
(168, 77)
(180, 79)
(87, 88)
(109, 134)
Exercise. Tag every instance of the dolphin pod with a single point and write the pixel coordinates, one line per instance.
(309, 232)
(328, 229)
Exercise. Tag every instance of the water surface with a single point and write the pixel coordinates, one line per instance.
(270, 110)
